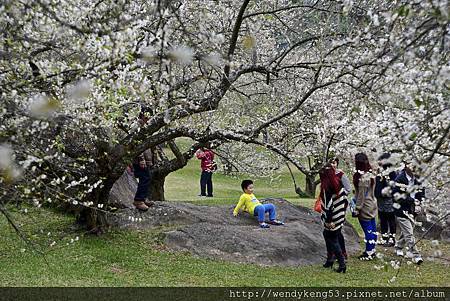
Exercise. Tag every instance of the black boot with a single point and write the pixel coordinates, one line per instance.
(328, 264)
(330, 260)
(342, 267)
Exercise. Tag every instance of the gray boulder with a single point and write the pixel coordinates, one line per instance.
(122, 193)
(213, 232)
(435, 227)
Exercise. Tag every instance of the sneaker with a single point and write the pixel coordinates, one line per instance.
(202, 195)
(417, 260)
(365, 256)
(210, 196)
(276, 222)
(409, 254)
(399, 252)
(380, 242)
(140, 205)
(264, 225)
(390, 243)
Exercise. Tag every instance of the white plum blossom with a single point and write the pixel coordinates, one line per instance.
(80, 91)
(149, 54)
(214, 59)
(43, 106)
(6, 156)
(182, 54)
(371, 80)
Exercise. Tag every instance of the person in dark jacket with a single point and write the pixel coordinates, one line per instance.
(408, 196)
(333, 202)
(384, 182)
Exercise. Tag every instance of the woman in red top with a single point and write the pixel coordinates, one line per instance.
(207, 164)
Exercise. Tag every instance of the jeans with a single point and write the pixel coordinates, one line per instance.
(143, 175)
(260, 212)
(387, 223)
(206, 182)
(333, 246)
(370, 232)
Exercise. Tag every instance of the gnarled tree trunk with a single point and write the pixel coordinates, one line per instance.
(157, 180)
(310, 184)
(94, 217)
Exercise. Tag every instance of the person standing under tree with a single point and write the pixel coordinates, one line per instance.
(208, 166)
(384, 180)
(366, 203)
(348, 187)
(333, 202)
(408, 196)
(141, 168)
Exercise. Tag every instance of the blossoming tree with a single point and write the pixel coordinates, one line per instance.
(75, 74)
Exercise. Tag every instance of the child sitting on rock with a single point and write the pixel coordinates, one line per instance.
(248, 202)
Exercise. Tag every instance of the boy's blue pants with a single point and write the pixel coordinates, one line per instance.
(260, 212)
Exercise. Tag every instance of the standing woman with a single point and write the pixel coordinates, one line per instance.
(366, 203)
(333, 196)
(348, 187)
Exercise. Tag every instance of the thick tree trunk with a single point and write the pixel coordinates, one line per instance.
(310, 185)
(94, 217)
(157, 181)
(96, 221)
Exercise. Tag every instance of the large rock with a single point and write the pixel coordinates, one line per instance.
(435, 227)
(212, 231)
(122, 193)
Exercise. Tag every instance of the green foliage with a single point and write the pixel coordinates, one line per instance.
(418, 102)
(403, 11)
(413, 136)
(59, 144)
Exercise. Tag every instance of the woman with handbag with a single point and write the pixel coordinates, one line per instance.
(334, 200)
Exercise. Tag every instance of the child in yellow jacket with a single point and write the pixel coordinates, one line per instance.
(248, 202)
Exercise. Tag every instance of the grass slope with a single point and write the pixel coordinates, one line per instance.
(138, 258)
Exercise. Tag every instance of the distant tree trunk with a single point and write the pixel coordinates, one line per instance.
(227, 165)
(157, 186)
(310, 184)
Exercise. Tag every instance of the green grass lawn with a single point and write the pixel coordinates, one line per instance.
(184, 185)
(138, 258)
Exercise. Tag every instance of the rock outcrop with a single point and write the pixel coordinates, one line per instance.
(213, 232)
